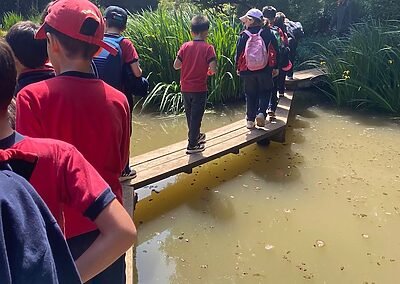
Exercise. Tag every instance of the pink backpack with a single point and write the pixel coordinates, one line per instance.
(255, 52)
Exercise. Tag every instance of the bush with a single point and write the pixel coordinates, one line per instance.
(158, 35)
(363, 69)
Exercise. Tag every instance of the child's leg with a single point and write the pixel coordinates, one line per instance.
(187, 103)
(273, 102)
(199, 101)
(250, 89)
(265, 83)
(281, 82)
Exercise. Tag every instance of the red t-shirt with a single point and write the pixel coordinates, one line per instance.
(195, 57)
(65, 181)
(85, 112)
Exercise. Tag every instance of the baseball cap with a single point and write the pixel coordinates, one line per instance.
(68, 17)
(117, 14)
(252, 13)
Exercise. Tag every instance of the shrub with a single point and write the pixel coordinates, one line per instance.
(158, 35)
(363, 69)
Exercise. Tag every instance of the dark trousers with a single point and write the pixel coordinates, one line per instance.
(195, 104)
(292, 55)
(257, 88)
(131, 105)
(115, 273)
(279, 86)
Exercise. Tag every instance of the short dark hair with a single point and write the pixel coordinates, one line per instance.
(45, 12)
(116, 17)
(199, 24)
(31, 52)
(280, 21)
(269, 12)
(74, 48)
(8, 75)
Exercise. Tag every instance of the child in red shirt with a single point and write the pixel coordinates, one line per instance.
(64, 179)
(78, 108)
(197, 60)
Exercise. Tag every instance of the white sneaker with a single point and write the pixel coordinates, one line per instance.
(260, 120)
(290, 78)
(250, 124)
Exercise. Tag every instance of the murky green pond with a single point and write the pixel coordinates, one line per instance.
(322, 208)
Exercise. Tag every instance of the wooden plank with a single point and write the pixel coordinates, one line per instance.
(171, 160)
(305, 78)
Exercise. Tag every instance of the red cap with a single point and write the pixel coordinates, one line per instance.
(68, 17)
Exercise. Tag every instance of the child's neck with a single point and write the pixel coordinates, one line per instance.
(199, 37)
(112, 31)
(5, 129)
(77, 65)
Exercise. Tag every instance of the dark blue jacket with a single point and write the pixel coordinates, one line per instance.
(32, 246)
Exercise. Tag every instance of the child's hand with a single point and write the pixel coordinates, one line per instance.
(275, 72)
(210, 72)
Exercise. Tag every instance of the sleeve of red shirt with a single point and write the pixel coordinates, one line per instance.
(27, 120)
(211, 56)
(129, 53)
(85, 189)
(181, 52)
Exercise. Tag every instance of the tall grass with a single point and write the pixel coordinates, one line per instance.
(364, 68)
(158, 35)
(9, 19)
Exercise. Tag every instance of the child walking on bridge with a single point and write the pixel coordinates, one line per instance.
(196, 59)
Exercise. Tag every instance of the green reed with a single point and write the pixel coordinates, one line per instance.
(364, 68)
(158, 35)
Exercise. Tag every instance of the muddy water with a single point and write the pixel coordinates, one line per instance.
(321, 208)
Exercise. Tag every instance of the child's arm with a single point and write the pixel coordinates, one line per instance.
(212, 68)
(86, 191)
(117, 234)
(177, 63)
(136, 69)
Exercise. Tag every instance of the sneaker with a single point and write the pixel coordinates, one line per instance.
(272, 115)
(202, 138)
(195, 149)
(290, 78)
(127, 174)
(250, 124)
(281, 95)
(260, 120)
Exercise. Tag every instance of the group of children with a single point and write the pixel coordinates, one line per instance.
(264, 58)
(72, 129)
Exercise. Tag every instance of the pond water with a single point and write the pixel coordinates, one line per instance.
(324, 207)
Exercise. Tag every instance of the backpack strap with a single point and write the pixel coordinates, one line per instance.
(260, 31)
(247, 33)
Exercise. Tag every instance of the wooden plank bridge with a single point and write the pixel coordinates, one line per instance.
(171, 160)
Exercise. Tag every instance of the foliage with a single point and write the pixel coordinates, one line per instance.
(158, 35)
(9, 19)
(363, 69)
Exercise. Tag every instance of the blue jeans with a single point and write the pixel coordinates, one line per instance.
(257, 88)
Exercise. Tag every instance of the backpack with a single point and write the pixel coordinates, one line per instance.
(295, 29)
(109, 67)
(284, 50)
(255, 52)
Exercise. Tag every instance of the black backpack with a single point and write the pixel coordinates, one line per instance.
(294, 29)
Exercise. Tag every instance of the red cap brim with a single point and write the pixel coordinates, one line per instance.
(41, 34)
